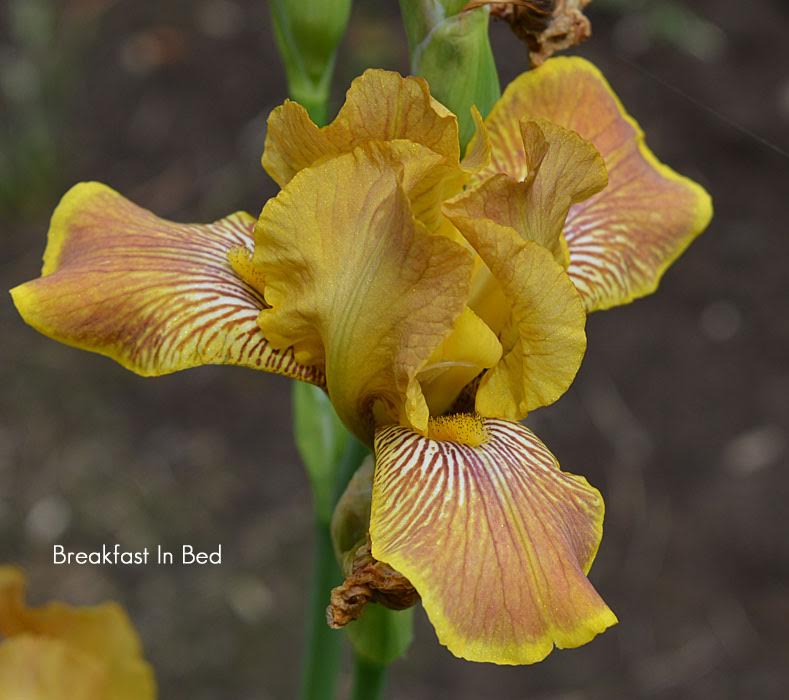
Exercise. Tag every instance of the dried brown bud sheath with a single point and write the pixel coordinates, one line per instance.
(547, 26)
(370, 581)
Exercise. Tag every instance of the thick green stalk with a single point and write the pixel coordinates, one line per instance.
(324, 648)
(324, 645)
(331, 456)
(369, 679)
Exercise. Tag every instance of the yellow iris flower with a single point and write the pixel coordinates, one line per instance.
(437, 300)
(59, 652)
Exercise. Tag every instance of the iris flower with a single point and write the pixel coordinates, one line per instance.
(436, 300)
(59, 651)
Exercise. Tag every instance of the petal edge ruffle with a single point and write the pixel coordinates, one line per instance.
(495, 538)
(622, 239)
(380, 105)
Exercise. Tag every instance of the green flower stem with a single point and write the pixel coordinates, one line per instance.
(319, 435)
(331, 456)
(368, 679)
(324, 648)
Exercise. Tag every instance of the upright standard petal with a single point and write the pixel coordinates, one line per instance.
(359, 287)
(543, 338)
(50, 642)
(559, 170)
(153, 295)
(623, 239)
(494, 537)
(380, 106)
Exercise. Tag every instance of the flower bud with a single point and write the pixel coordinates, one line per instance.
(366, 579)
(308, 33)
(351, 519)
(449, 46)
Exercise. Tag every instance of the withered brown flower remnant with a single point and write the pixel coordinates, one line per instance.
(547, 26)
(369, 580)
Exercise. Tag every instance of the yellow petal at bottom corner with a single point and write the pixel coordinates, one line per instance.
(86, 653)
(38, 668)
(495, 538)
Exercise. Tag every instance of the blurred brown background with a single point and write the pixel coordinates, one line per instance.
(679, 414)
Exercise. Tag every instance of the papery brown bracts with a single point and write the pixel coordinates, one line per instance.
(368, 581)
(547, 26)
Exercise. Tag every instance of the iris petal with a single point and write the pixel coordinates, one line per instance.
(379, 106)
(37, 668)
(623, 239)
(358, 286)
(153, 295)
(471, 348)
(478, 156)
(494, 537)
(543, 339)
(560, 169)
(58, 638)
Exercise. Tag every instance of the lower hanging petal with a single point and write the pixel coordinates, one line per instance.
(153, 295)
(495, 538)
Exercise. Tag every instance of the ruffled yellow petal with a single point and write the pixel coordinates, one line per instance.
(359, 287)
(494, 537)
(153, 295)
(623, 239)
(379, 106)
(427, 178)
(543, 339)
(561, 169)
(38, 668)
(100, 637)
(471, 348)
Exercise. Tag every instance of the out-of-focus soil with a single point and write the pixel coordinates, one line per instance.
(679, 414)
